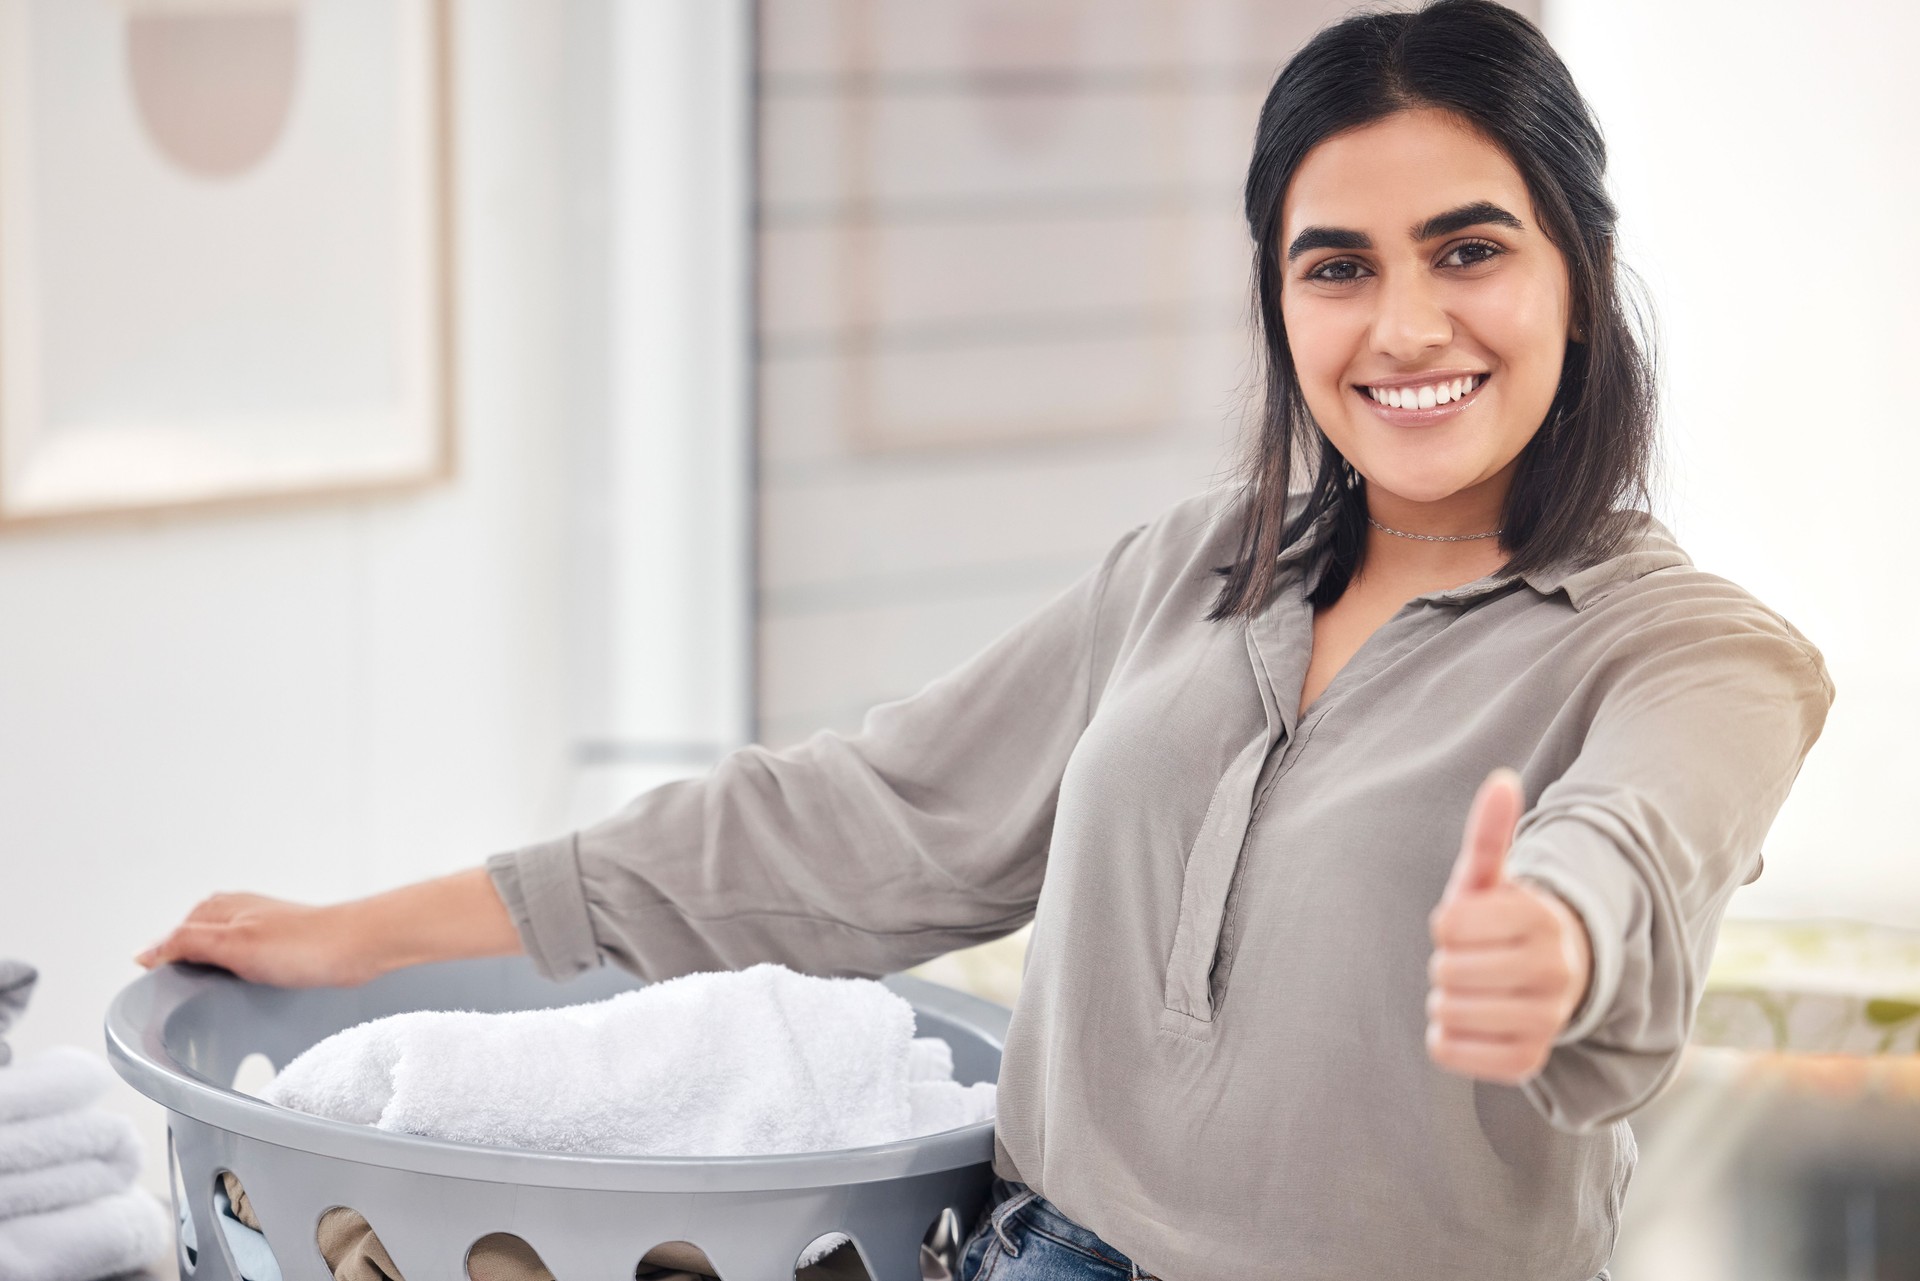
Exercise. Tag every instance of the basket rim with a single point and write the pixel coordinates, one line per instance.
(140, 1013)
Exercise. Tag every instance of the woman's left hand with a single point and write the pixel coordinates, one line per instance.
(1511, 960)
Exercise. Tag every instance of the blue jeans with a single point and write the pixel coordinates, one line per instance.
(1022, 1236)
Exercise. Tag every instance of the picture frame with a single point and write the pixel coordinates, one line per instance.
(226, 253)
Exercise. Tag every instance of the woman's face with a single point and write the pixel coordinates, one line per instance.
(1411, 259)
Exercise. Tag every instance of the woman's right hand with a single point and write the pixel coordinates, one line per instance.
(269, 940)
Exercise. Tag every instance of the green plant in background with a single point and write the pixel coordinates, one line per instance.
(1832, 987)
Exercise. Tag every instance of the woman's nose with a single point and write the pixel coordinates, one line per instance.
(1411, 320)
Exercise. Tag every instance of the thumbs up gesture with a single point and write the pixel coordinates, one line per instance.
(1511, 960)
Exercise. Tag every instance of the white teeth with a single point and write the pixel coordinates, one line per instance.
(1426, 397)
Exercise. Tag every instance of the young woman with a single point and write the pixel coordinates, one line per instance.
(1377, 823)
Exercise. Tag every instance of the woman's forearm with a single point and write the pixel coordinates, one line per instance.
(273, 941)
(445, 919)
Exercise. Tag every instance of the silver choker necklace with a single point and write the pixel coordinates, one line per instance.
(1433, 538)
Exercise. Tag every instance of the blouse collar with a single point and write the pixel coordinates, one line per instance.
(1651, 546)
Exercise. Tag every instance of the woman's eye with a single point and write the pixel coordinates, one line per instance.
(1332, 269)
(1478, 251)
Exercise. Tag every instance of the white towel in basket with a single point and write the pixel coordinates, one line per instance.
(721, 1063)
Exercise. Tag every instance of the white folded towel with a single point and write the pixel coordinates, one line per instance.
(85, 1242)
(720, 1063)
(91, 1134)
(54, 1186)
(58, 1079)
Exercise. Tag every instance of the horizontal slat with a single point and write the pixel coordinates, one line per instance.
(994, 397)
(819, 282)
(991, 81)
(1034, 327)
(826, 668)
(951, 210)
(882, 624)
(814, 36)
(851, 151)
(868, 534)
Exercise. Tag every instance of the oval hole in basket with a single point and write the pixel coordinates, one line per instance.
(840, 1261)
(183, 1222)
(502, 1256)
(943, 1239)
(254, 1074)
(674, 1257)
(248, 1254)
(343, 1233)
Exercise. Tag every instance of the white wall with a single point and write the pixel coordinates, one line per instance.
(1763, 157)
(325, 700)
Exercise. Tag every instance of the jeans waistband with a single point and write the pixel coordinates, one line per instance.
(1018, 1196)
(1008, 1198)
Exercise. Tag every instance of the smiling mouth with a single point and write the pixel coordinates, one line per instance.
(1428, 396)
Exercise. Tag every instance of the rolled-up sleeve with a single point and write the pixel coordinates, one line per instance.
(847, 854)
(1691, 752)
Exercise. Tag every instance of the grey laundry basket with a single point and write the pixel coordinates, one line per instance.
(179, 1033)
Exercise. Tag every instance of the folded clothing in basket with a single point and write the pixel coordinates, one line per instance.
(762, 1060)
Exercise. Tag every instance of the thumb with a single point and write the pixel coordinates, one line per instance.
(1489, 831)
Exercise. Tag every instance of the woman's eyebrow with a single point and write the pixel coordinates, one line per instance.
(1441, 224)
(1445, 224)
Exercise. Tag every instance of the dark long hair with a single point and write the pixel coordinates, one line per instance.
(1590, 462)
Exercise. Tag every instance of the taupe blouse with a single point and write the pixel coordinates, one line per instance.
(1218, 1059)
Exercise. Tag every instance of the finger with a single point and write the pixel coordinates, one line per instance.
(1531, 969)
(1507, 1062)
(1507, 914)
(209, 943)
(1492, 1017)
(1489, 831)
(163, 951)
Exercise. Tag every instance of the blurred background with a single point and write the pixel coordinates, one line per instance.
(425, 425)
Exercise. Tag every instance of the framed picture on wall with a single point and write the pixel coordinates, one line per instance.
(225, 251)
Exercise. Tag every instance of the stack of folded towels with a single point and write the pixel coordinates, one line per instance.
(68, 1207)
